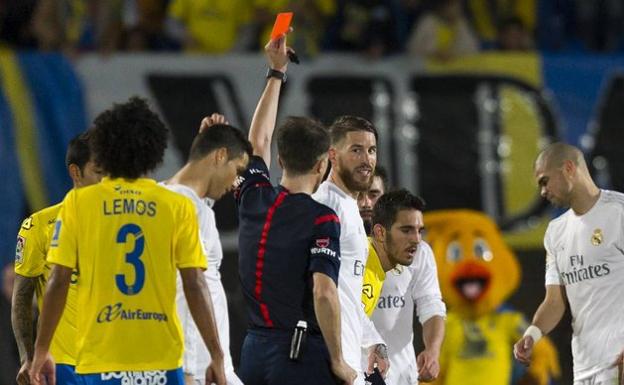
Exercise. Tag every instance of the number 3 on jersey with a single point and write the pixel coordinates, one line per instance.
(133, 258)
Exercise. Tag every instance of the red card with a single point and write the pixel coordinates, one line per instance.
(282, 23)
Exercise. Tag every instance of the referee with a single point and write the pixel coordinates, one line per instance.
(289, 252)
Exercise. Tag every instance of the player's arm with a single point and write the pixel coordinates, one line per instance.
(327, 308)
(22, 322)
(428, 359)
(547, 316)
(200, 304)
(51, 312)
(263, 122)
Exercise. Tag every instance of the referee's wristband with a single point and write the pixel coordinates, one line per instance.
(534, 332)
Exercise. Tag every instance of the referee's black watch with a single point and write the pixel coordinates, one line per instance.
(271, 73)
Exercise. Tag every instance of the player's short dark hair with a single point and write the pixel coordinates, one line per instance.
(389, 204)
(348, 123)
(219, 136)
(383, 175)
(128, 140)
(300, 144)
(78, 151)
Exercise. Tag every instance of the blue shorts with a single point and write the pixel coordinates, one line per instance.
(66, 375)
(148, 377)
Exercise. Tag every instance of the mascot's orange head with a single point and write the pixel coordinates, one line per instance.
(477, 270)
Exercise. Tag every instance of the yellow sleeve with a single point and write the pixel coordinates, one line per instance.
(31, 247)
(372, 283)
(368, 291)
(187, 245)
(64, 243)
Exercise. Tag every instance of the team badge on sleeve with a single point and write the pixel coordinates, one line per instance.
(322, 242)
(27, 224)
(19, 249)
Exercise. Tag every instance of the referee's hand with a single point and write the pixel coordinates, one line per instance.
(344, 372)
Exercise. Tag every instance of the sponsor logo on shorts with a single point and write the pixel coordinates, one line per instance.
(153, 377)
(116, 312)
(19, 249)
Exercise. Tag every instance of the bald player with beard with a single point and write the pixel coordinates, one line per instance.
(584, 268)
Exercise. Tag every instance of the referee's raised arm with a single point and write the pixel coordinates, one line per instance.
(263, 122)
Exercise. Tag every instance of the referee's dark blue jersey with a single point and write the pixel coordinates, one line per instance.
(283, 239)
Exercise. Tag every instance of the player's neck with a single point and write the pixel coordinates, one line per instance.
(337, 180)
(191, 177)
(584, 198)
(299, 184)
(380, 249)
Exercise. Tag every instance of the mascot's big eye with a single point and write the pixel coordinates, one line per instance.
(482, 250)
(453, 251)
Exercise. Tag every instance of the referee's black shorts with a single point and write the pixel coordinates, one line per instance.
(264, 360)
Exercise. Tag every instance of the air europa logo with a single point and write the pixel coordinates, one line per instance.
(110, 313)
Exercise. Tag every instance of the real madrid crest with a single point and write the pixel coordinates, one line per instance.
(596, 238)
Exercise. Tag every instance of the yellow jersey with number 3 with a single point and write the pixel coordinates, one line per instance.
(33, 241)
(127, 238)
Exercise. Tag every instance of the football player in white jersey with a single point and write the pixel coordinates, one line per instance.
(403, 288)
(584, 267)
(219, 153)
(353, 156)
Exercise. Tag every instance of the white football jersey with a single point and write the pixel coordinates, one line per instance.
(586, 254)
(356, 329)
(196, 355)
(406, 287)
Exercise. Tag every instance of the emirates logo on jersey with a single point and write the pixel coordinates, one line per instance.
(322, 242)
(596, 238)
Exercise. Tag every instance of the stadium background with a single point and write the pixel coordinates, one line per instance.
(461, 132)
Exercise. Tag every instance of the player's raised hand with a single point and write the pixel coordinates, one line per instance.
(344, 372)
(428, 366)
(523, 350)
(212, 120)
(277, 53)
(43, 370)
(378, 354)
(215, 374)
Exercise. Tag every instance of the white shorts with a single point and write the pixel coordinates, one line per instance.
(608, 376)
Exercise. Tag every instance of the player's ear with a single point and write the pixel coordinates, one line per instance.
(321, 166)
(221, 155)
(332, 154)
(74, 173)
(379, 232)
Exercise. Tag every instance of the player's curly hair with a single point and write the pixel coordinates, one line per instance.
(128, 140)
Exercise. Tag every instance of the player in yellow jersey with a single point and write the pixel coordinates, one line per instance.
(32, 273)
(127, 236)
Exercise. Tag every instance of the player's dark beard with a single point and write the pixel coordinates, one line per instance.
(352, 184)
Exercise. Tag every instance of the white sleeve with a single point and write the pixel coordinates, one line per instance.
(370, 335)
(425, 288)
(552, 271)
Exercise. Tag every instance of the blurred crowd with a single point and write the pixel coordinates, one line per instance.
(438, 28)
